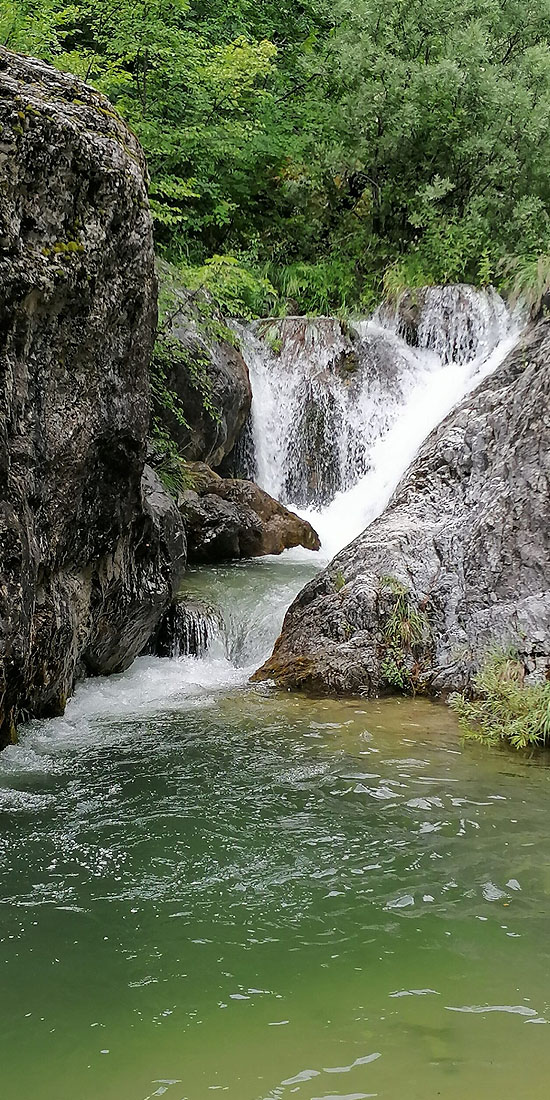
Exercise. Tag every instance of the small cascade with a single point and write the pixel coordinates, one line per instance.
(340, 406)
(320, 401)
(458, 323)
(188, 629)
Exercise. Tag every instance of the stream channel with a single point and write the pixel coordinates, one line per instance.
(209, 887)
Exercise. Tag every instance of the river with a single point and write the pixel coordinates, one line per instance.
(211, 887)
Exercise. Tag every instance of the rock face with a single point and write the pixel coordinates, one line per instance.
(208, 376)
(88, 555)
(459, 562)
(227, 518)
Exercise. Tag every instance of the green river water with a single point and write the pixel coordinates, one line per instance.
(211, 889)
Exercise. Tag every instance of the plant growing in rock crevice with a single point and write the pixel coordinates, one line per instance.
(339, 581)
(171, 468)
(170, 355)
(405, 637)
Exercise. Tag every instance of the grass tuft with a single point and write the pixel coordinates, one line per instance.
(505, 708)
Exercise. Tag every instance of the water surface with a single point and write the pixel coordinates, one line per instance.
(211, 888)
(266, 896)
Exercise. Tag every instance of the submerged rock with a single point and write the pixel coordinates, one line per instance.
(227, 518)
(458, 563)
(88, 555)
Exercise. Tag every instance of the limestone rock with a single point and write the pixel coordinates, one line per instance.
(458, 563)
(86, 568)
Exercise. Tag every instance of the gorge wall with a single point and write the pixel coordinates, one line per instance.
(90, 550)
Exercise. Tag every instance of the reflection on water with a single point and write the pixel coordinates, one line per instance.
(267, 896)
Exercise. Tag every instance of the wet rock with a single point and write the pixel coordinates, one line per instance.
(185, 630)
(458, 563)
(227, 518)
(209, 378)
(88, 557)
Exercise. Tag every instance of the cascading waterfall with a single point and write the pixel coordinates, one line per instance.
(460, 324)
(320, 402)
(339, 411)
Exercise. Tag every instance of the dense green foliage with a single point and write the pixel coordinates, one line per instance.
(505, 709)
(313, 153)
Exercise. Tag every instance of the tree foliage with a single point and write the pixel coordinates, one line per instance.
(325, 147)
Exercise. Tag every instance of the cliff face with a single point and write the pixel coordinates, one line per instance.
(459, 562)
(88, 555)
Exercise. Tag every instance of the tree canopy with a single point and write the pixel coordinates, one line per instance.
(321, 153)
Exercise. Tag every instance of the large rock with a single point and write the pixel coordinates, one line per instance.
(87, 564)
(203, 368)
(228, 518)
(458, 563)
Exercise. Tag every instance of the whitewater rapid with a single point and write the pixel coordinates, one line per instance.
(378, 423)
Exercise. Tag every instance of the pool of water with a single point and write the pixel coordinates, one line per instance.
(208, 888)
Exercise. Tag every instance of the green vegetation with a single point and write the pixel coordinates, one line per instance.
(406, 634)
(308, 156)
(339, 580)
(504, 708)
(196, 313)
(172, 469)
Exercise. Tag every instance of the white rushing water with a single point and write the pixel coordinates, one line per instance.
(339, 412)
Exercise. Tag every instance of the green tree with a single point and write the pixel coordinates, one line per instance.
(332, 149)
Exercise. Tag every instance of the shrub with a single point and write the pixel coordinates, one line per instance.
(504, 707)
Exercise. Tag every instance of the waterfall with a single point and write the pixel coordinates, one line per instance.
(339, 410)
(338, 413)
(187, 629)
(458, 323)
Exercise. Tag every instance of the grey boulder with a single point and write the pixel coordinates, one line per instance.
(87, 557)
